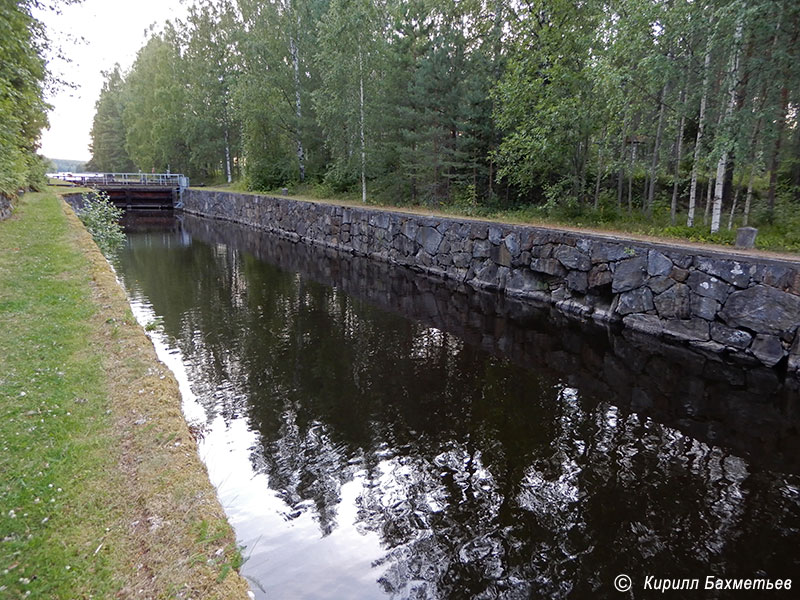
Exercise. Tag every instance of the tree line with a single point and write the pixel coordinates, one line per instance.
(23, 80)
(635, 106)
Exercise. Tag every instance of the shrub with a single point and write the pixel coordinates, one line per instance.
(101, 218)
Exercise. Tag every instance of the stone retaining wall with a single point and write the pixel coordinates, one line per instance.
(5, 207)
(744, 307)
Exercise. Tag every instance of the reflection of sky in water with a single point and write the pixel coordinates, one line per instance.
(283, 542)
(359, 454)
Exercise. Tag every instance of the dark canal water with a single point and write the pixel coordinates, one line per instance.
(378, 434)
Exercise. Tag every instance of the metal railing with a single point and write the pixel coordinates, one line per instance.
(95, 179)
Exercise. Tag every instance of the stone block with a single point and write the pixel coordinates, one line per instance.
(709, 346)
(559, 294)
(502, 277)
(703, 284)
(681, 259)
(734, 338)
(731, 271)
(574, 307)
(501, 255)
(687, 330)
(481, 249)
(409, 228)
(679, 274)
(572, 258)
(704, 307)
(649, 324)
(600, 275)
(429, 238)
(462, 259)
(635, 301)
(478, 231)
(379, 220)
(495, 234)
(674, 303)
(521, 282)
(550, 266)
(544, 251)
(629, 274)
(486, 276)
(607, 252)
(763, 309)
(526, 242)
(400, 243)
(423, 258)
(444, 258)
(768, 349)
(777, 276)
(578, 281)
(456, 273)
(660, 284)
(794, 355)
(746, 237)
(658, 264)
(512, 244)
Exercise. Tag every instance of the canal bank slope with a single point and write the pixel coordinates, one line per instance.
(104, 494)
(743, 306)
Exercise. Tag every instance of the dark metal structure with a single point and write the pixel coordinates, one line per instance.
(130, 191)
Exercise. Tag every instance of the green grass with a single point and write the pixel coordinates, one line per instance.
(79, 481)
(57, 486)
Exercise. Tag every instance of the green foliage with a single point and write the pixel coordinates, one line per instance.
(154, 106)
(37, 167)
(351, 62)
(101, 219)
(209, 68)
(109, 151)
(22, 106)
(557, 104)
(67, 165)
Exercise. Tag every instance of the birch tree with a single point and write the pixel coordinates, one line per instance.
(726, 142)
(210, 60)
(349, 58)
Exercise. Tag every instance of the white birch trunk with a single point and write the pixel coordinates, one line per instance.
(716, 209)
(297, 104)
(361, 123)
(227, 157)
(722, 165)
(699, 140)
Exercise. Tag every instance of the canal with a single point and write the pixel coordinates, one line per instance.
(374, 433)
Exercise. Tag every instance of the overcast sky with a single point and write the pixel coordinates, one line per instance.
(112, 32)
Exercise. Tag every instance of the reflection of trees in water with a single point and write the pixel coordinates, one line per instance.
(481, 478)
(306, 469)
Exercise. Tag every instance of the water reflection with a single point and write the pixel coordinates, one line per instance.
(400, 437)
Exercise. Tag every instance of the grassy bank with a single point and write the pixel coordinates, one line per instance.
(102, 493)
